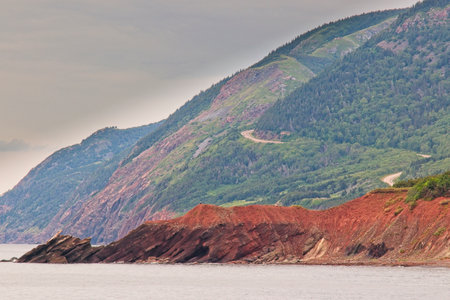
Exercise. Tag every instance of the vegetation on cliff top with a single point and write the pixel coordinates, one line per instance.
(426, 188)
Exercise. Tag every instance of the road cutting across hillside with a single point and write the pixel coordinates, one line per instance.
(391, 178)
(248, 135)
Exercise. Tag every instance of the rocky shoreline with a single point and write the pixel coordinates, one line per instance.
(376, 229)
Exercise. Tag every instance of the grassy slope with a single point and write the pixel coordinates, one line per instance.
(313, 172)
(339, 47)
(302, 171)
(412, 116)
(234, 170)
(178, 119)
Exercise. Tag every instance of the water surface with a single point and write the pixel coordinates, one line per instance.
(8, 251)
(126, 281)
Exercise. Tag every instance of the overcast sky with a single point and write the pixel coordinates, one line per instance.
(68, 68)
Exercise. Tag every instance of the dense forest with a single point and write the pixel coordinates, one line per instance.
(392, 92)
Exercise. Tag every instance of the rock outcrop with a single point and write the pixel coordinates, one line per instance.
(61, 249)
(378, 228)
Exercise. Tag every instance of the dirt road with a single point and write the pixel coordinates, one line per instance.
(391, 178)
(248, 135)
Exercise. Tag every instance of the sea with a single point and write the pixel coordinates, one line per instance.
(216, 281)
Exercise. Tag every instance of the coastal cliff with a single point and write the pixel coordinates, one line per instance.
(379, 228)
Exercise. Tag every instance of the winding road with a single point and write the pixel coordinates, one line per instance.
(248, 135)
(391, 178)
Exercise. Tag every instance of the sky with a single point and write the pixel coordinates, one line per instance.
(69, 68)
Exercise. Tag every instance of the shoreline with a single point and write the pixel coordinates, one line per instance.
(375, 229)
(430, 265)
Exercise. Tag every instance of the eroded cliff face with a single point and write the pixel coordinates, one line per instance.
(378, 228)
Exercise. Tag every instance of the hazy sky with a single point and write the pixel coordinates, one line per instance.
(68, 68)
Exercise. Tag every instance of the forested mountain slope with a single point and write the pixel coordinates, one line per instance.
(64, 179)
(392, 92)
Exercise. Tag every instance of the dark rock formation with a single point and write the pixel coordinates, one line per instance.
(377, 250)
(355, 249)
(61, 249)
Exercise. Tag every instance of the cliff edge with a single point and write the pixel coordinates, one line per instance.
(378, 228)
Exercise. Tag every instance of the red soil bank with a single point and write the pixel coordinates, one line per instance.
(378, 228)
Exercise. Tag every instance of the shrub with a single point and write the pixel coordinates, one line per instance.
(429, 188)
(439, 231)
(398, 211)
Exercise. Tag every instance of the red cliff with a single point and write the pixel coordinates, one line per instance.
(378, 228)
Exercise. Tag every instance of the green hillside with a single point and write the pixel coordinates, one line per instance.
(232, 170)
(391, 93)
(366, 116)
(66, 177)
(358, 29)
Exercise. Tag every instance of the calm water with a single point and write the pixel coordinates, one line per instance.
(117, 281)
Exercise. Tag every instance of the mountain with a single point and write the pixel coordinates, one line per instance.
(379, 228)
(392, 92)
(206, 160)
(208, 151)
(65, 179)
